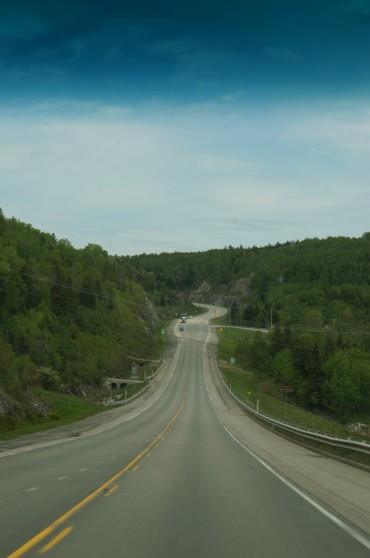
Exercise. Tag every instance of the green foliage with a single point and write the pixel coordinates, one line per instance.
(324, 373)
(50, 379)
(312, 284)
(283, 368)
(319, 293)
(347, 385)
(67, 316)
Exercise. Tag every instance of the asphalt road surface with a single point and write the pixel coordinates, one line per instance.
(170, 483)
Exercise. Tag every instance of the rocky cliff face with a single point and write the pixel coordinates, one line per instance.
(202, 293)
(225, 295)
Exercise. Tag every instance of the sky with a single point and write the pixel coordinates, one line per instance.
(167, 126)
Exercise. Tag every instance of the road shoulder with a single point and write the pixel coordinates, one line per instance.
(342, 488)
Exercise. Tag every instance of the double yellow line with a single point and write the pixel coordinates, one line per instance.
(102, 489)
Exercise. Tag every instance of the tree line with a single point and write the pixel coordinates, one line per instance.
(67, 317)
(314, 293)
(327, 372)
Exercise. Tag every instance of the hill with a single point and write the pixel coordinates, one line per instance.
(68, 317)
(313, 295)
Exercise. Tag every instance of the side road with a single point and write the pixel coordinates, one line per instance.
(339, 487)
(96, 423)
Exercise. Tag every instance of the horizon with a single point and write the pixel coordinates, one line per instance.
(211, 249)
(173, 128)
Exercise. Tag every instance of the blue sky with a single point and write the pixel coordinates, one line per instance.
(166, 126)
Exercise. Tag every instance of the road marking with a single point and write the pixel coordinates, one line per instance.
(62, 478)
(362, 539)
(135, 468)
(32, 489)
(349, 530)
(114, 456)
(36, 539)
(204, 365)
(59, 537)
(88, 434)
(111, 490)
(83, 469)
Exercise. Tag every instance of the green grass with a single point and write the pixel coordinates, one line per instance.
(66, 409)
(223, 320)
(229, 339)
(250, 385)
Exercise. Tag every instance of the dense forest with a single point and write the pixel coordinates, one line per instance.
(313, 283)
(313, 295)
(70, 317)
(67, 317)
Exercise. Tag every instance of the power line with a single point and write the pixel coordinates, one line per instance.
(71, 287)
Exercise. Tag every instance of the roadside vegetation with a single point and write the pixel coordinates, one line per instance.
(68, 318)
(62, 409)
(316, 295)
(260, 371)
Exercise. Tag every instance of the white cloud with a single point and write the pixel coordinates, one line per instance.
(342, 127)
(181, 178)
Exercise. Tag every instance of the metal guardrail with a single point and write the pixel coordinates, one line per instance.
(349, 444)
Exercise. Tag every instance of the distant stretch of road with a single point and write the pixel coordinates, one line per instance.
(172, 483)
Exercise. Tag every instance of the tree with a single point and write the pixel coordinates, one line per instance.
(234, 313)
(341, 391)
(283, 368)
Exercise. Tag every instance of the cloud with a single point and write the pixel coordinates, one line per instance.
(344, 127)
(178, 178)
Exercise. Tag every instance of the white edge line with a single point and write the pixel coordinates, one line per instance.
(362, 539)
(26, 449)
(349, 530)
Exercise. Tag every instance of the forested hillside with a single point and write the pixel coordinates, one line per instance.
(67, 317)
(315, 294)
(312, 283)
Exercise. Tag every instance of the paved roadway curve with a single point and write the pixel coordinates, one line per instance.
(184, 488)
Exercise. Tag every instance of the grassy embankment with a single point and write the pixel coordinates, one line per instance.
(66, 409)
(251, 386)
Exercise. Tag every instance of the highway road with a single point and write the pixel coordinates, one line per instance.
(170, 483)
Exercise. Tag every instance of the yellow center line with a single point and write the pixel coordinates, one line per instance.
(36, 539)
(111, 490)
(59, 537)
